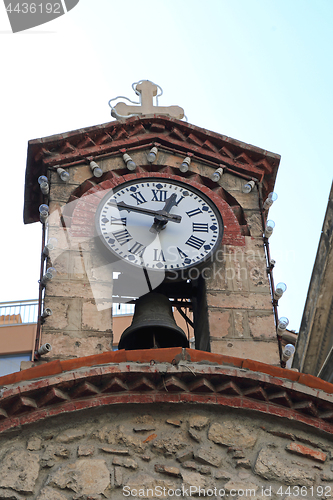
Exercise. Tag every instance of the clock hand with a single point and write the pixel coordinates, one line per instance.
(160, 215)
(159, 222)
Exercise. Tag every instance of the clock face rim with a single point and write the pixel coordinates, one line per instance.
(109, 252)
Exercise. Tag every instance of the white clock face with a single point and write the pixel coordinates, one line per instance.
(188, 231)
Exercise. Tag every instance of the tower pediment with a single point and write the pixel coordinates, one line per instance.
(101, 141)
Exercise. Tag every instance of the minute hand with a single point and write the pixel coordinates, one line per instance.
(161, 214)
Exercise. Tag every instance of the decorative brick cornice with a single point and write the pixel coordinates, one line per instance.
(107, 139)
(163, 376)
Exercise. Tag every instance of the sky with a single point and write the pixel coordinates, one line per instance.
(259, 71)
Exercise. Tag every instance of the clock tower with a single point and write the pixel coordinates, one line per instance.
(150, 204)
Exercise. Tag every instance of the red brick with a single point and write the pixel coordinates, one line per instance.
(33, 386)
(254, 405)
(150, 438)
(279, 411)
(304, 451)
(167, 398)
(275, 371)
(58, 409)
(142, 398)
(148, 355)
(326, 427)
(44, 370)
(235, 402)
(116, 399)
(9, 423)
(11, 391)
(221, 359)
(88, 403)
(33, 417)
(315, 383)
(198, 398)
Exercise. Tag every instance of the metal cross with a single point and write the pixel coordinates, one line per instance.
(147, 91)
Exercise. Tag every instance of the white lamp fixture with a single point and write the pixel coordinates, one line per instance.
(129, 162)
(216, 176)
(63, 174)
(51, 245)
(96, 170)
(282, 325)
(270, 200)
(43, 213)
(47, 312)
(279, 290)
(185, 165)
(43, 184)
(152, 155)
(288, 351)
(247, 188)
(50, 273)
(44, 349)
(270, 224)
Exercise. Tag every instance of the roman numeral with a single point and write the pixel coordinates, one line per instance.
(180, 199)
(159, 195)
(137, 249)
(158, 255)
(181, 253)
(122, 236)
(200, 227)
(139, 198)
(196, 211)
(194, 242)
(118, 221)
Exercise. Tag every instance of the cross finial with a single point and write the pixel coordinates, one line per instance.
(147, 90)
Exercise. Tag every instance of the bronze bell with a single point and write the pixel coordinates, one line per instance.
(153, 325)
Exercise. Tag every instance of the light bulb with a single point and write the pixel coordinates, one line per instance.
(43, 213)
(47, 312)
(43, 209)
(216, 176)
(272, 196)
(270, 200)
(43, 184)
(185, 165)
(96, 170)
(63, 174)
(270, 224)
(44, 349)
(129, 162)
(282, 324)
(247, 188)
(279, 290)
(51, 244)
(52, 271)
(288, 352)
(152, 155)
(131, 165)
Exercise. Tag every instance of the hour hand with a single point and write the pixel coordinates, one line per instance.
(159, 221)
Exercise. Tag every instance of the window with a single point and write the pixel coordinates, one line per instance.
(11, 363)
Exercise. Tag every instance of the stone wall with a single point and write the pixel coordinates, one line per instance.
(240, 312)
(155, 450)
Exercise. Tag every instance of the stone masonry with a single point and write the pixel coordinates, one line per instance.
(150, 452)
(240, 314)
